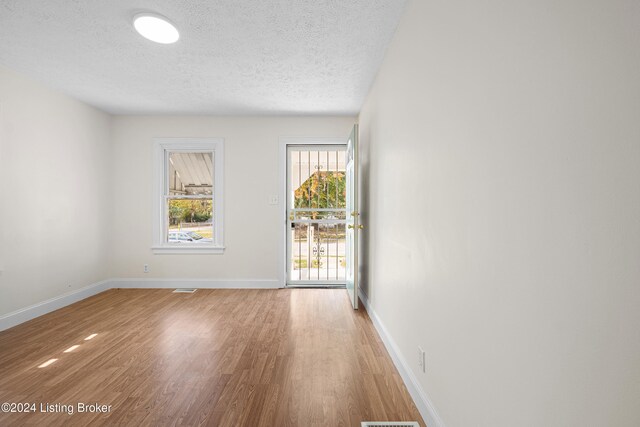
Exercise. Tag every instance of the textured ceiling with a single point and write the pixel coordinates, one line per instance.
(233, 56)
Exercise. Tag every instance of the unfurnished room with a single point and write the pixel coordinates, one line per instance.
(292, 213)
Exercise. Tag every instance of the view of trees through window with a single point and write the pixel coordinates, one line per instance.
(322, 190)
(189, 213)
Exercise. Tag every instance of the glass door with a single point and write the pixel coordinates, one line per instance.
(352, 218)
(316, 215)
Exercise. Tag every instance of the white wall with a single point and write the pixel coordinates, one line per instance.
(501, 152)
(54, 181)
(77, 203)
(252, 226)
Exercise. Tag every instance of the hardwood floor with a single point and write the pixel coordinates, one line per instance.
(289, 357)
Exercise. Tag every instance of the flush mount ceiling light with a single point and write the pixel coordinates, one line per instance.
(156, 28)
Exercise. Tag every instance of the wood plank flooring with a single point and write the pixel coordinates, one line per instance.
(287, 357)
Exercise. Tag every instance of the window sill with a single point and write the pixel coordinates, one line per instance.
(219, 250)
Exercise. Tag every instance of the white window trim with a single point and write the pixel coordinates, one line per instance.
(161, 146)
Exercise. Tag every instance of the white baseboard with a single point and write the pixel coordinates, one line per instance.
(36, 310)
(422, 401)
(194, 283)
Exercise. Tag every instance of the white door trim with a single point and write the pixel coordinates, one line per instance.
(285, 142)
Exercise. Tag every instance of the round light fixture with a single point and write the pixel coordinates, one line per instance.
(156, 28)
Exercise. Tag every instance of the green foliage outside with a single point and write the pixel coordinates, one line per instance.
(322, 190)
(303, 263)
(187, 210)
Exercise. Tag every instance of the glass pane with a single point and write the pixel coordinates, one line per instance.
(317, 252)
(318, 197)
(318, 179)
(190, 221)
(190, 174)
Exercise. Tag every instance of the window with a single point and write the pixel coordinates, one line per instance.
(188, 208)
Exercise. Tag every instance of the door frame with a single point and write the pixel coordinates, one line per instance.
(285, 142)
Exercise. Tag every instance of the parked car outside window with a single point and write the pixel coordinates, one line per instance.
(187, 237)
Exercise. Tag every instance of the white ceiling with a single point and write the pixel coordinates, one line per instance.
(233, 56)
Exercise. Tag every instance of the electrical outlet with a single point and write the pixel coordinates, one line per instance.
(146, 268)
(421, 359)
